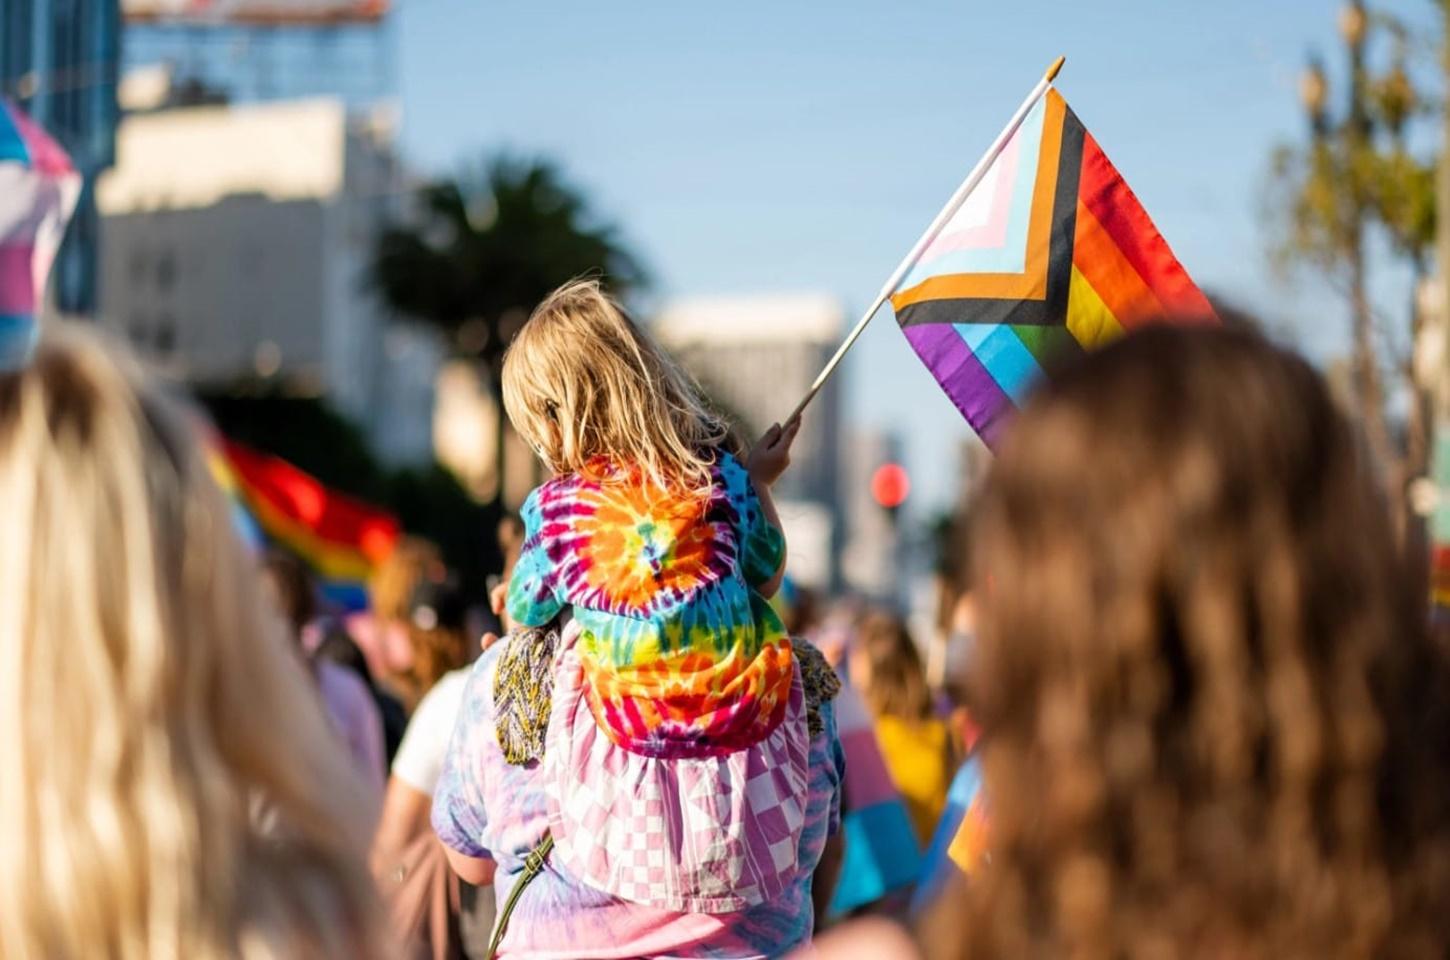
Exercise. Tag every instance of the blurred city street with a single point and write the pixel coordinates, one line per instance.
(322, 226)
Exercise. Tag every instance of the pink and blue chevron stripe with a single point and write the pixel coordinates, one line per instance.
(882, 855)
(38, 191)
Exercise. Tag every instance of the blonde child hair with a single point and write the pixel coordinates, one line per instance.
(581, 381)
(171, 789)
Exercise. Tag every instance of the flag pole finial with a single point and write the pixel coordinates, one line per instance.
(1053, 70)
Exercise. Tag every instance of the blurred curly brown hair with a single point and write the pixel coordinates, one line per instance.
(1213, 726)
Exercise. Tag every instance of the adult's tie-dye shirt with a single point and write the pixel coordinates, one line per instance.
(486, 807)
(683, 656)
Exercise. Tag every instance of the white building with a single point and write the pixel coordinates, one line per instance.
(756, 357)
(235, 242)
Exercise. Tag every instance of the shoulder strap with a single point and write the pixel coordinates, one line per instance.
(533, 866)
(818, 681)
(523, 692)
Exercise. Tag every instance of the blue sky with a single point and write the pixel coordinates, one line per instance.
(755, 146)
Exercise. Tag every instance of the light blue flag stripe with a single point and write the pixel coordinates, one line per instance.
(999, 349)
(17, 340)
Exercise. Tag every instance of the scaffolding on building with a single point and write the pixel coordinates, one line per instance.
(251, 50)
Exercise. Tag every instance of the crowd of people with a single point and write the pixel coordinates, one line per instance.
(1191, 708)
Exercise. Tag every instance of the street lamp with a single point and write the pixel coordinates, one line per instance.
(1353, 23)
(1314, 92)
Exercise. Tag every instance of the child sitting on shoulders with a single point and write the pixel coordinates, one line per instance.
(661, 543)
(681, 719)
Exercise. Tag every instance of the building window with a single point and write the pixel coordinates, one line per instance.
(166, 335)
(251, 260)
(165, 271)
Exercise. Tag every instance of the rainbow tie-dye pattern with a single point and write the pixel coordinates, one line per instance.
(682, 655)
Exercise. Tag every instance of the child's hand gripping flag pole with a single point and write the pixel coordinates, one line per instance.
(1043, 250)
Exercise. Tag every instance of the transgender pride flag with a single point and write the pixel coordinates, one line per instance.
(38, 191)
(882, 856)
(343, 540)
(1049, 255)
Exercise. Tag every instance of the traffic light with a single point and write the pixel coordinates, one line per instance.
(890, 486)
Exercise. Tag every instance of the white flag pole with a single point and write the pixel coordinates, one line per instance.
(952, 205)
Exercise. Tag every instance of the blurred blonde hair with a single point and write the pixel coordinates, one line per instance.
(895, 678)
(582, 382)
(392, 591)
(150, 717)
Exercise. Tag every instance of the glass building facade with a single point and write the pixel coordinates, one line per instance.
(60, 60)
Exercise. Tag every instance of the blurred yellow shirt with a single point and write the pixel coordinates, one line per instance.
(919, 758)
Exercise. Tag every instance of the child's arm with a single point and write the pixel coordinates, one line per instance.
(767, 460)
(530, 597)
(770, 587)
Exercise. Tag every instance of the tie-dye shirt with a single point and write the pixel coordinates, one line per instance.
(683, 656)
(486, 807)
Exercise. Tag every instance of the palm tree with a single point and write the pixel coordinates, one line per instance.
(484, 249)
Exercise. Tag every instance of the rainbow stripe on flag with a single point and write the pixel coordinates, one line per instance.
(1440, 529)
(1440, 579)
(341, 538)
(221, 471)
(38, 192)
(959, 842)
(1051, 254)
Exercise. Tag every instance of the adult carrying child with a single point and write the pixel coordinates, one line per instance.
(680, 745)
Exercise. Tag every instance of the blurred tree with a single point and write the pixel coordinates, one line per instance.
(1358, 178)
(430, 503)
(483, 250)
(304, 431)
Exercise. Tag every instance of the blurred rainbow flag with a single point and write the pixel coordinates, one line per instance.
(341, 538)
(959, 842)
(1440, 579)
(1050, 254)
(221, 471)
(1440, 528)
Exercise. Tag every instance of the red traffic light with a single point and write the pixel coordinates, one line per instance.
(890, 485)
